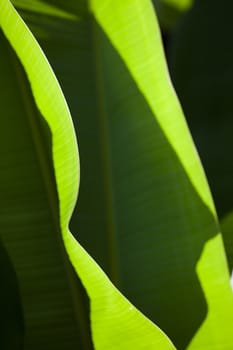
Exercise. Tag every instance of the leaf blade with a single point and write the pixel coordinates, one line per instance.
(67, 180)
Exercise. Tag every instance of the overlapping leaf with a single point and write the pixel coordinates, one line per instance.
(144, 212)
(115, 322)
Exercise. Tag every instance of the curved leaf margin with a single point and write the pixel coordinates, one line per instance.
(115, 322)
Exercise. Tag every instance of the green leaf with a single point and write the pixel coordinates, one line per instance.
(186, 235)
(115, 322)
(144, 211)
(29, 206)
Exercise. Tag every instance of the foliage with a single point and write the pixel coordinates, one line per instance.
(204, 83)
(144, 212)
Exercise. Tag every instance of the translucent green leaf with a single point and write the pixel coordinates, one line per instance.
(197, 226)
(144, 211)
(29, 213)
(115, 322)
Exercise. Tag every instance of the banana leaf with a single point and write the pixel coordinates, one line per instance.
(46, 277)
(144, 211)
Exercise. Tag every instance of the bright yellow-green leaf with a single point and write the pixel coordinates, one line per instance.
(115, 322)
(144, 193)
